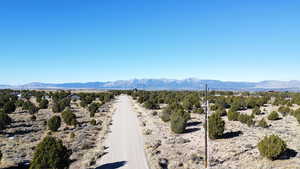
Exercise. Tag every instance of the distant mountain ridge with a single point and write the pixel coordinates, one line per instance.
(167, 84)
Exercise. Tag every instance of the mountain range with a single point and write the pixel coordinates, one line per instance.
(167, 84)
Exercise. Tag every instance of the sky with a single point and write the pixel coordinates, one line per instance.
(104, 40)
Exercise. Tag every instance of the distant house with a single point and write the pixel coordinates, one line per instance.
(74, 97)
(15, 93)
(18, 94)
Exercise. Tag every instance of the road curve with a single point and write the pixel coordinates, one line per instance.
(125, 142)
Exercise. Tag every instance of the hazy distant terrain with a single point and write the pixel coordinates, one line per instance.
(167, 84)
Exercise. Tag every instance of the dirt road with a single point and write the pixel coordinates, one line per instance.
(125, 142)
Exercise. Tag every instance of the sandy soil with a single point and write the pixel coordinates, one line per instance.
(90, 139)
(237, 150)
(138, 138)
(161, 145)
(19, 140)
(125, 145)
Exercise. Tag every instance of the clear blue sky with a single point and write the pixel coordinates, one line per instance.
(103, 40)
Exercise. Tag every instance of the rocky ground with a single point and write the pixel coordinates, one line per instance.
(236, 150)
(164, 147)
(18, 142)
(239, 147)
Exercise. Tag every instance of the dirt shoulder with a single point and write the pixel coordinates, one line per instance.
(163, 146)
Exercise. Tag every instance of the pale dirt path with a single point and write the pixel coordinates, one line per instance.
(125, 142)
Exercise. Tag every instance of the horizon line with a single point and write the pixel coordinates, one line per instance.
(179, 79)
